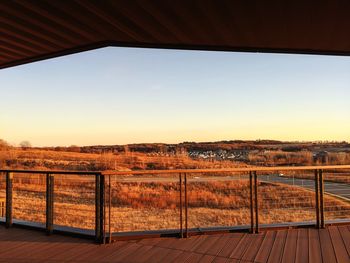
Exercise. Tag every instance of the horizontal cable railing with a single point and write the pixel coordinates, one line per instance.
(129, 204)
(192, 201)
(56, 201)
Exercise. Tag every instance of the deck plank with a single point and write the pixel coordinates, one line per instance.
(201, 241)
(194, 258)
(290, 247)
(41, 244)
(207, 244)
(345, 233)
(46, 251)
(338, 245)
(294, 245)
(117, 256)
(155, 241)
(160, 254)
(155, 254)
(207, 259)
(181, 258)
(219, 245)
(88, 251)
(10, 247)
(302, 252)
(315, 254)
(254, 246)
(138, 254)
(231, 244)
(36, 248)
(277, 247)
(266, 246)
(327, 250)
(72, 250)
(241, 247)
(171, 256)
(220, 260)
(186, 244)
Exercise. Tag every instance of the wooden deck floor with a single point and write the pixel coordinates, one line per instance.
(295, 245)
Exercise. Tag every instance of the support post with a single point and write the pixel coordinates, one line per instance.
(9, 183)
(102, 210)
(321, 198)
(49, 203)
(317, 199)
(99, 207)
(181, 204)
(110, 208)
(104, 220)
(256, 203)
(251, 202)
(186, 207)
(2, 209)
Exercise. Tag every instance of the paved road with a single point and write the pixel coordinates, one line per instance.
(339, 189)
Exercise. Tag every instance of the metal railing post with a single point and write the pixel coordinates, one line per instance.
(321, 198)
(104, 220)
(256, 203)
(251, 202)
(102, 206)
(99, 208)
(109, 208)
(9, 183)
(2, 209)
(317, 195)
(181, 204)
(186, 206)
(49, 203)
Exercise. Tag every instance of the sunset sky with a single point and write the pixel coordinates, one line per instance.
(131, 95)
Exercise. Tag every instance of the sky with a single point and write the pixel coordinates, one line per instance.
(132, 95)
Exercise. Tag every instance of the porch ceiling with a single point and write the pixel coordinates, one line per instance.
(36, 30)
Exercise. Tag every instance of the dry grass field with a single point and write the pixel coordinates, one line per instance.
(38, 159)
(140, 206)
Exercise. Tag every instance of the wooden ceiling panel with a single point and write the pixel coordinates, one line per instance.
(41, 29)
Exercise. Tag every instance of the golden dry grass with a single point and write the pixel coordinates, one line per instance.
(150, 206)
(39, 159)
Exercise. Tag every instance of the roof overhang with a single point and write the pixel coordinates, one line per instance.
(36, 30)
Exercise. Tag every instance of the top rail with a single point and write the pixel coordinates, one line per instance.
(245, 169)
(50, 172)
(141, 172)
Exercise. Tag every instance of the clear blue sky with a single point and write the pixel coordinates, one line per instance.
(130, 95)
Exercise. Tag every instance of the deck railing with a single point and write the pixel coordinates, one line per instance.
(131, 204)
(54, 201)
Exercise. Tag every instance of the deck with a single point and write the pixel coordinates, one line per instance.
(294, 245)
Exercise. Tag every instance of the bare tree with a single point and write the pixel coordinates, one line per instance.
(4, 145)
(74, 148)
(25, 145)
